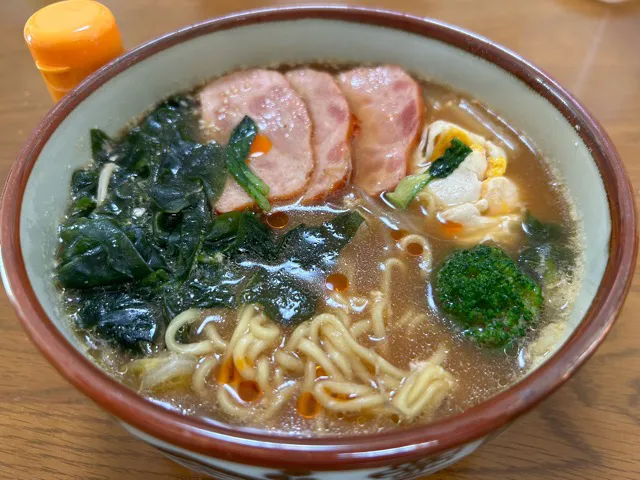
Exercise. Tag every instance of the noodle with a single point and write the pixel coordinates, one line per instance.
(230, 406)
(202, 372)
(289, 361)
(360, 328)
(387, 267)
(199, 348)
(104, 180)
(380, 312)
(359, 397)
(426, 256)
(423, 391)
(254, 335)
(282, 396)
(329, 364)
(411, 319)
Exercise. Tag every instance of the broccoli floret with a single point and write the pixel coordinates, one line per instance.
(484, 291)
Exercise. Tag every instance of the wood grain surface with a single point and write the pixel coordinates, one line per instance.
(590, 429)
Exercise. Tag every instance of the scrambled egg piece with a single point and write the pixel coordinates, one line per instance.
(497, 167)
(476, 202)
(501, 196)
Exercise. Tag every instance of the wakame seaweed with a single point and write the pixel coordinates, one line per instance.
(96, 252)
(547, 257)
(285, 276)
(155, 247)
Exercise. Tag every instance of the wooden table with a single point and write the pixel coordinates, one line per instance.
(590, 429)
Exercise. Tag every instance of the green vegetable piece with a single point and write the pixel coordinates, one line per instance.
(96, 252)
(174, 198)
(485, 292)
(315, 250)
(240, 234)
(237, 152)
(450, 160)
(182, 176)
(288, 287)
(285, 298)
(84, 183)
(224, 231)
(209, 286)
(444, 166)
(172, 121)
(125, 194)
(141, 236)
(407, 190)
(121, 319)
(101, 146)
(186, 240)
(82, 207)
(547, 263)
(168, 130)
(541, 232)
(547, 259)
(138, 152)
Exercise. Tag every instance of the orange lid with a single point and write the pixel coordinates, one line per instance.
(69, 40)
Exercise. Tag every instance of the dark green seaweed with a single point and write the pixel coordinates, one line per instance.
(122, 319)
(546, 258)
(155, 247)
(96, 252)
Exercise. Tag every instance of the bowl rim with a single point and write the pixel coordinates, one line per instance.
(256, 448)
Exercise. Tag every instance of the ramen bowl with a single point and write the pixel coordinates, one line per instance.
(36, 194)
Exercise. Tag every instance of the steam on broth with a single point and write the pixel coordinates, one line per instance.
(318, 252)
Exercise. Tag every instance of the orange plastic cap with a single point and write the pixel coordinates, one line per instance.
(69, 40)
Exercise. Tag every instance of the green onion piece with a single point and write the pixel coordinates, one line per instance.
(407, 189)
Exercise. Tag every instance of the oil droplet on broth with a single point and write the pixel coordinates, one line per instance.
(337, 282)
(249, 391)
(307, 405)
(227, 374)
(278, 220)
(414, 249)
(398, 234)
(449, 229)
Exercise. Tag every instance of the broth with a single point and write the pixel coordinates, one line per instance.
(405, 249)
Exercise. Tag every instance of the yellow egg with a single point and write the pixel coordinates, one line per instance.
(497, 167)
(443, 141)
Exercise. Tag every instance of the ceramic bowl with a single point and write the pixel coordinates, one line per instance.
(36, 194)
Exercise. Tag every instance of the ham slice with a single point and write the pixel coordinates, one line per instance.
(331, 120)
(388, 106)
(280, 114)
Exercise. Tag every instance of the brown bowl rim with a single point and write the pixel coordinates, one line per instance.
(331, 453)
